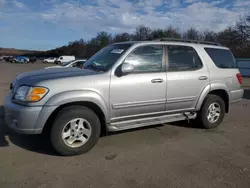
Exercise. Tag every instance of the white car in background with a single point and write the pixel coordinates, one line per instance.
(64, 59)
(49, 60)
(76, 63)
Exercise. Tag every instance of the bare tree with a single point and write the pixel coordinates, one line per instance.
(158, 33)
(142, 33)
(122, 37)
(172, 32)
(243, 30)
(209, 36)
(192, 34)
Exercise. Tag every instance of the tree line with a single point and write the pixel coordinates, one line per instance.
(236, 37)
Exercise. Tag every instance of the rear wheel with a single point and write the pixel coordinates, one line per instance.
(75, 131)
(212, 112)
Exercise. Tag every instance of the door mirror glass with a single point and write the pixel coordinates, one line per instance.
(127, 68)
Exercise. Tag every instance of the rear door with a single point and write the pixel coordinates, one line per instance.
(187, 76)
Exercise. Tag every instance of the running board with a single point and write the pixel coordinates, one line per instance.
(130, 124)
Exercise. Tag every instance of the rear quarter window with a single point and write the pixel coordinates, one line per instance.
(222, 58)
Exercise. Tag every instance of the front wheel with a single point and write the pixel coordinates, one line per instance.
(212, 112)
(75, 130)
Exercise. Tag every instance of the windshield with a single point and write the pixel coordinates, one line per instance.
(104, 59)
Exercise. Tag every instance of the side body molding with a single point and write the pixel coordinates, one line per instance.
(80, 96)
(211, 87)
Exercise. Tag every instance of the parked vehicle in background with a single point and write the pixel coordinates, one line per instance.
(123, 86)
(8, 58)
(49, 60)
(21, 59)
(64, 59)
(77, 63)
(32, 59)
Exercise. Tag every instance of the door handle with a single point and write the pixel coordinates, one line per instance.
(203, 78)
(158, 80)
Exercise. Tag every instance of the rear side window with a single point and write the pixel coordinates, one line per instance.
(222, 58)
(183, 58)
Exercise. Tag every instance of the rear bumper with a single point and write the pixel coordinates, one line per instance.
(236, 95)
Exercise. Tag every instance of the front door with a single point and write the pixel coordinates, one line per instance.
(186, 77)
(144, 90)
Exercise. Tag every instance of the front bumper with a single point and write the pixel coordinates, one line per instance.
(21, 119)
(26, 119)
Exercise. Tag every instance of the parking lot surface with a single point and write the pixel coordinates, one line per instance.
(171, 155)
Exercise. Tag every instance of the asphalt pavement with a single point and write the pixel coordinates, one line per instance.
(170, 155)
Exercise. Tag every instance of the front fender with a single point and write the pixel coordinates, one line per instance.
(208, 89)
(79, 96)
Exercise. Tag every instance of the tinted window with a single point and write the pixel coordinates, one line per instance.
(221, 58)
(146, 58)
(181, 58)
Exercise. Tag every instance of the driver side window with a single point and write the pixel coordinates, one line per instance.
(146, 58)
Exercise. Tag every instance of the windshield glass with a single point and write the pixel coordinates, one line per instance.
(104, 59)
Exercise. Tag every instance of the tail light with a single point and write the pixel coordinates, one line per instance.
(239, 77)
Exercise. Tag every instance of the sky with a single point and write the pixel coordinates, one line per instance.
(47, 24)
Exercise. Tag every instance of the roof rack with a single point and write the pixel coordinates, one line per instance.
(187, 40)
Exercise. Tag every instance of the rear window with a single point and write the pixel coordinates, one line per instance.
(222, 58)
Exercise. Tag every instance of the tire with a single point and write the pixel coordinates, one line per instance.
(45, 62)
(61, 123)
(203, 114)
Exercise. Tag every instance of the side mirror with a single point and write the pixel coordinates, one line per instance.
(127, 68)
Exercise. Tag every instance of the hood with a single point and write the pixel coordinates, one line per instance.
(33, 77)
(56, 66)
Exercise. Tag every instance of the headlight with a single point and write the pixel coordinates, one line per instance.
(30, 94)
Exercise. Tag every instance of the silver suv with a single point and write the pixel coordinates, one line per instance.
(123, 86)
